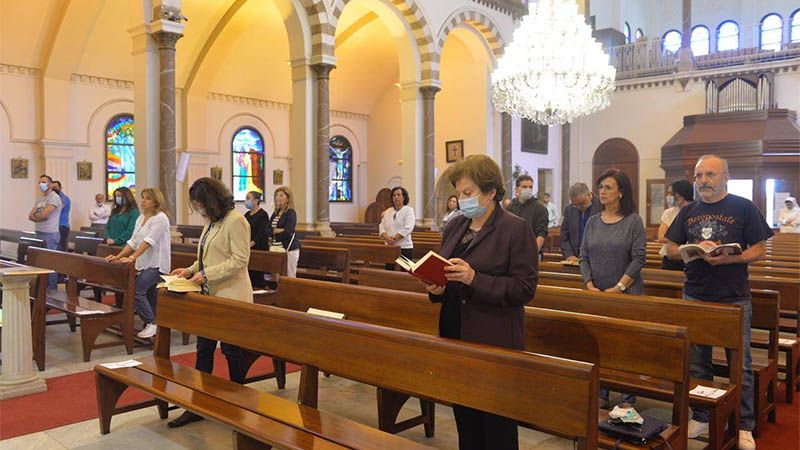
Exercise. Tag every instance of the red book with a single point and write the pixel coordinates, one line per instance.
(430, 268)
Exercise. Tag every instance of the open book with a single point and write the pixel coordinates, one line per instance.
(690, 252)
(178, 284)
(430, 268)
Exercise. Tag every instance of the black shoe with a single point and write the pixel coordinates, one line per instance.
(184, 419)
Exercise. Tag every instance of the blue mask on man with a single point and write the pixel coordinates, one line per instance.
(471, 208)
(248, 204)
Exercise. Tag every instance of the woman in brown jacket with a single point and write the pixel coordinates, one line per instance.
(493, 276)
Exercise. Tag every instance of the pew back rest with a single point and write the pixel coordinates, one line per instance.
(389, 279)
(327, 259)
(87, 244)
(368, 253)
(24, 243)
(91, 268)
(269, 262)
(554, 394)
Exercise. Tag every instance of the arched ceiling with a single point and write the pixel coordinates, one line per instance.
(24, 27)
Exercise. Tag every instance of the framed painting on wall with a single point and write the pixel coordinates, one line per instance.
(534, 137)
(455, 150)
(19, 168)
(84, 170)
(216, 173)
(277, 177)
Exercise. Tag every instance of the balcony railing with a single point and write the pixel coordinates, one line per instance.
(649, 57)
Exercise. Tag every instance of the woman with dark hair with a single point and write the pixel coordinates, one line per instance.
(493, 276)
(397, 223)
(614, 246)
(123, 217)
(259, 228)
(220, 270)
(679, 194)
(282, 226)
(452, 210)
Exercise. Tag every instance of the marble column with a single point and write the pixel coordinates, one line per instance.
(505, 148)
(565, 162)
(322, 216)
(17, 376)
(166, 39)
(429, 152)
(685, 57)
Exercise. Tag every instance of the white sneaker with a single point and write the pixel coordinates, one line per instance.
(746, 441)
(697, 429)
(148, 332)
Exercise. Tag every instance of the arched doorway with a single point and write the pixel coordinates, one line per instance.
(621, 154)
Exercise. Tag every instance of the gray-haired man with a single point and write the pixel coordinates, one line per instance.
(582, 205)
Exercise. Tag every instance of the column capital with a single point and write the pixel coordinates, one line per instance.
(428, 92)
(322, 70)
(166, 39)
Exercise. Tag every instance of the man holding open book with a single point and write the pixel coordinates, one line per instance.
(490, 275)
(719, 218)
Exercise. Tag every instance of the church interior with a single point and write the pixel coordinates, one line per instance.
(338, 116)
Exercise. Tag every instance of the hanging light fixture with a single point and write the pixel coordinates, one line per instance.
(553, 70)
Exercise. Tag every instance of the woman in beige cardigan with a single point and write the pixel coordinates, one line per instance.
(220, 270)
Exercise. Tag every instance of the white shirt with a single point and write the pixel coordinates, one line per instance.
(156, 233)
(552, 215)
(667, 217)
(401, 221)
(786, 215)
(99, 214)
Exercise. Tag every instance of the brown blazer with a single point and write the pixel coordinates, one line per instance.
(503, 255)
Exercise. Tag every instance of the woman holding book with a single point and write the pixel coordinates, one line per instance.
(397, 223)
(492, 276)
(282, 226)
(149, 250)
(220, 270)
(614, 246)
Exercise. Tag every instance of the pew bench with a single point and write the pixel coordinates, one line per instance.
(404, 361)
(94, 316)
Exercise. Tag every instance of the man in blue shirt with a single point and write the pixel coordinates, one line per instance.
(715, 218)
(63, 221)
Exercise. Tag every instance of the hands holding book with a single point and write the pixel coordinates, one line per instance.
(184, 273)
(458, 270)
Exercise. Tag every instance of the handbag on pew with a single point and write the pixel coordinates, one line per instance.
(634, 432)
(279, 248)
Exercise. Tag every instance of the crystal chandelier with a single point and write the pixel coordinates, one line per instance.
(553, 70)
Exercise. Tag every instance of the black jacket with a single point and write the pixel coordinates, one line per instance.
(259, 224)
(534, 212)
(570, 228)
(288, 221)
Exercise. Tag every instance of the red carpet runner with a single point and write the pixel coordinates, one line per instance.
(72, 398)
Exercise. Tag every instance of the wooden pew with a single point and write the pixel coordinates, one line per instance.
(324, 263)
(366, 254)
(94, 316)
(533, 385)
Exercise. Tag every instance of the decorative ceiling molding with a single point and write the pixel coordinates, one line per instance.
(19, 70)
(348, 115)
(257, 102)
(514, 8)
(101, 81)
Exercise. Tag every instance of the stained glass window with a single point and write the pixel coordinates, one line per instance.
(120, 154)
(341, 170)
(247, 150)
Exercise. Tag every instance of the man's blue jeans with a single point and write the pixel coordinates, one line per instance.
(700, 366)
(51, 241)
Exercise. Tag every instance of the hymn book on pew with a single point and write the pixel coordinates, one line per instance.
(691, 252)
(430, 268)
(178, 284)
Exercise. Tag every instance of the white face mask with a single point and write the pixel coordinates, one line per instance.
(670, 200)
(525, 194)
(44, 186)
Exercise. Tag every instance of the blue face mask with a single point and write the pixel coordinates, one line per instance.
(471, 208)
(248, 204)
(118, 200)
(44, 186)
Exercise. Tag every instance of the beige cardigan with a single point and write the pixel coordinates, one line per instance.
(225, 257)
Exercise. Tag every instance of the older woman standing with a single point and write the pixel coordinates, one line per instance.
(149, 250)
(282, 226)
(492, 277)
(452, 211)
(397, 223)
(220, 269)
(614, 246)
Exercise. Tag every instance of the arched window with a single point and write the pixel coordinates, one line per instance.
(120, 154)
(794, 36)
(771, 31)
(672, 41)
(341, 170)
(627, 31)
(247, 168)
(728, 36)
(639, 34)
(700, 40)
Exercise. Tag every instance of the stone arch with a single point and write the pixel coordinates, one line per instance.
(618, 153)
(484, 25)
(411, 12)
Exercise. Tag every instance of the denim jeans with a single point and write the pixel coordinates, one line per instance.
(51, 241)
(146, 294)
(700, 366)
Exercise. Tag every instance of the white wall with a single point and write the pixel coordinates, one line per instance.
(532, 162)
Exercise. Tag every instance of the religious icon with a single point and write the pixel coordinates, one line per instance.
(84, 170)
(277, 177)
(19, 168)
(216, 173)
(455, 150)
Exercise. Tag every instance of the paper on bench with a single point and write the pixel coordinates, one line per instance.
(121, 364)
(87, 312)
(708, 392)
(323, 313)
(261, 291)
(787, 341)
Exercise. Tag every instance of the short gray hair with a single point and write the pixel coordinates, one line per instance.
(724, 161)
(579, 188)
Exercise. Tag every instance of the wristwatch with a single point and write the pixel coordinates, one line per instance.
(621, 286)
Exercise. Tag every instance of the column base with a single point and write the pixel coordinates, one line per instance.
(324, 229)
(174, 234)
(19, 388)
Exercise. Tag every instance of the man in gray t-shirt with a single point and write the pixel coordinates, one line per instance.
(45, 216)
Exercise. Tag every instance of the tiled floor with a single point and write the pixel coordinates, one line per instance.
(138, 430)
